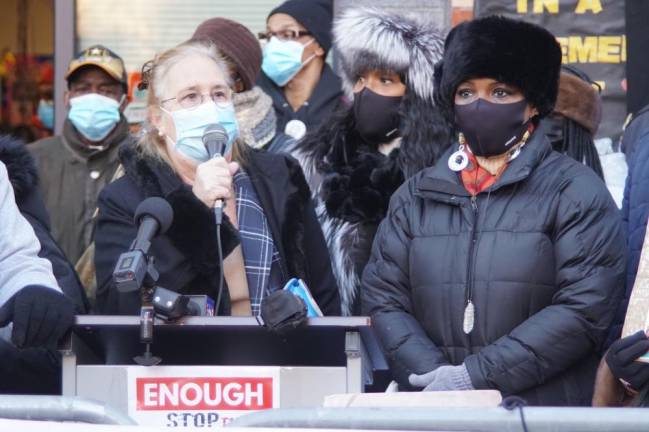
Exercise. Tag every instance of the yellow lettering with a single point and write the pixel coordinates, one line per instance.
(582, 51)
(609, 49)
(563, 42)
(623, 50)
(552, 6)
(521, 6)
(589, 5)
(602, 85)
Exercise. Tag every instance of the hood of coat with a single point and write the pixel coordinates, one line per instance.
(21, 167)
(373, 39)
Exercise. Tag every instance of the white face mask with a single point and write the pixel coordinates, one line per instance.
(283, 60)
(191, 124)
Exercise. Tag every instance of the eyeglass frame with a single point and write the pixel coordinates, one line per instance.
(297, 34)
(202, 100)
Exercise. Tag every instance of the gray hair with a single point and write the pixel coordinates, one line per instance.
(152, 143)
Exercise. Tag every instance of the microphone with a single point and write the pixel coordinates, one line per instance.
(215, 140)
(153, 217)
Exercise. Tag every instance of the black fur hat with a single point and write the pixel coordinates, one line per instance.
(511, 51)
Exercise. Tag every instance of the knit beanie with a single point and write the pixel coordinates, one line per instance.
(235, 42)
(315, 15)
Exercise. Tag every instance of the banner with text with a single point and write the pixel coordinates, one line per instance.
(199, 396)
(592, 38)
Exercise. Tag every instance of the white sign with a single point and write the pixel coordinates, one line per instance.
(199, 396)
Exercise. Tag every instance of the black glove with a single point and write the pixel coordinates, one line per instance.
(40, 316)
(283, 311)
(621, 358)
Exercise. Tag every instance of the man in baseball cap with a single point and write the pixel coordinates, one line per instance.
(75, 166)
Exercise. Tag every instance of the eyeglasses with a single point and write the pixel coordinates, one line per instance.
(284, 35)
(193, 99)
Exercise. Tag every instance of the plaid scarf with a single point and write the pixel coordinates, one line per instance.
(260, 256)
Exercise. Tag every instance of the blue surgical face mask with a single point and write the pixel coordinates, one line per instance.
(94, 115)
(191, 124)
(45, 113)
(283, 60)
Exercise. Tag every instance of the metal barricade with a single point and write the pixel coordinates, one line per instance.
(537, 419)
(61, 409)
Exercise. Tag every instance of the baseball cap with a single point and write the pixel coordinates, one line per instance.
(103, 58)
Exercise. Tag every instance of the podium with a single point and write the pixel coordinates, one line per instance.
(214, 369)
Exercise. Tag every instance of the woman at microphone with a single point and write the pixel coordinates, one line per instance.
(269, 231)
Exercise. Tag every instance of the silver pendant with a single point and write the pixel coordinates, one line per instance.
(469, 317)
(458, 160)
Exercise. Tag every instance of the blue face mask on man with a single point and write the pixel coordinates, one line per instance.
(45, 113)
(94, 115)
(191, 124)
(283, 60)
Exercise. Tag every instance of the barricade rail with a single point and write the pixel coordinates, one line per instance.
(537, 419)
(60, 408)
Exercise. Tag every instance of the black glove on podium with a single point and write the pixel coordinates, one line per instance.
(283, 311)
(40, 316)
(621, 359)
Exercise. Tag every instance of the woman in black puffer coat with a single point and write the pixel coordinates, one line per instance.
(357, 159)
(501, 268)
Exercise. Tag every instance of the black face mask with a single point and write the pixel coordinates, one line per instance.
(377, 117)
(491, 129)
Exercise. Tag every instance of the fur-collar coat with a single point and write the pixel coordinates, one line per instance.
(351, 183)
(187, 255)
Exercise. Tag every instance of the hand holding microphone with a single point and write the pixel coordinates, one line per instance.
(213, 180)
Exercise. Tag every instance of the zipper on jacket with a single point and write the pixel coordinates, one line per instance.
(469, 308)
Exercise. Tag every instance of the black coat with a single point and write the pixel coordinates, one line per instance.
(186, 256)
(326, 96)
(543, 253)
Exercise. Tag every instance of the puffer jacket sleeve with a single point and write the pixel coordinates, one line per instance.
(589, 259)
(20, 264)
(386, 296)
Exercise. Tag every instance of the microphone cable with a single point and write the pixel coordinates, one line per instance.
(218, 213)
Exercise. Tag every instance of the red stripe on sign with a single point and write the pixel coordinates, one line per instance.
(170, 394)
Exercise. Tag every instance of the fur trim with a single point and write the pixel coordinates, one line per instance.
(293, 229)
(358, 188)
(20, 164)
(368, 38)
(579, 101)
(336, 232)
(193, 230)
(514, 52)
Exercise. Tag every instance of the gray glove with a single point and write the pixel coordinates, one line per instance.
(444, 378)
